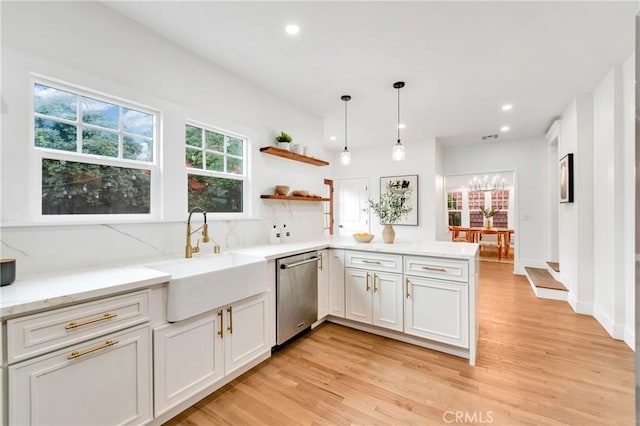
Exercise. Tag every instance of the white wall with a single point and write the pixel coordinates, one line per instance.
(108, 53)
(528, 159)
(628, 197)
(597, 231)
(575, 222)
(376, 162)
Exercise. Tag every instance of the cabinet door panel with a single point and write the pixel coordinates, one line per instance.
(323, 284)
(358, 295)
(188, 357)
(438, 310)
(387, 301)
(336, 283)
(106, 386)
(246, 338)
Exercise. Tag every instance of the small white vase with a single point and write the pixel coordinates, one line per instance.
(284, 145)
(388, 234)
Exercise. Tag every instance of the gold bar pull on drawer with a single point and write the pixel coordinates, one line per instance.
(431, 268)
(373, 262)
(78, 354)
(74, 324)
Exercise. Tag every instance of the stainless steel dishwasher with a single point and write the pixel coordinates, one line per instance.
(297, 294)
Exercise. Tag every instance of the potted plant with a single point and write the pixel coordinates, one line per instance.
(488, 214)
(391, 207)
(284, 139)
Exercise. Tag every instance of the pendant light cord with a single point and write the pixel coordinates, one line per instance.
(345, 125)
(398, 114)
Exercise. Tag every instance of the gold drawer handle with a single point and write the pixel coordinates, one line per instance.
(367, 281)
(375, 283)
(407, 286)
(373, 262)
(230, 327)
(106, 344)
(221, 324)
(80, 324)
(430, 268)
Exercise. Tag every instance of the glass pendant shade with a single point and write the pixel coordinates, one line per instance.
(398, 152)
(345, 157)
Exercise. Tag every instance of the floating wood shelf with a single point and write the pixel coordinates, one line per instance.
(293, 156)
(292, 197)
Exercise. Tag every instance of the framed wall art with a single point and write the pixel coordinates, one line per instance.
(566, 179)
(409, 185)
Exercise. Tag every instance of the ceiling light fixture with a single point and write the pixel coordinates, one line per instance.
(504, 128)
(345, 155)
(401, 126)
(398, 148)
(486, 185)
(507, 107)
(333, 138)
(292, 29)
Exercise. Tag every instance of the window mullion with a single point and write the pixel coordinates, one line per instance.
(78, 125)
(120, 132)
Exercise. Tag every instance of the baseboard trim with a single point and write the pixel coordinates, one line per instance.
(630, 338)
(578, 307)
(616, 331)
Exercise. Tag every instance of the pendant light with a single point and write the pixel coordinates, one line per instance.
(345, 155)
(398, 148)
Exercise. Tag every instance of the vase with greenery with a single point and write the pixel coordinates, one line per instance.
(391, 208)
(488, 214)
(284, 140)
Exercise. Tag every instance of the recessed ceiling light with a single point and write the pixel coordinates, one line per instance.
(504, 128)
(292, 29)
(333, 138)
(507, 107)
(401, 126)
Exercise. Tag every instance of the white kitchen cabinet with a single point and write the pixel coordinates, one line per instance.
(324, 269)
(247, 335)
(374, 298)
(104, 381)
(437, 310)
(336, 283)
(193, 354)
(188, 357)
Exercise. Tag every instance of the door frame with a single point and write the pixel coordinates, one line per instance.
(338, 186)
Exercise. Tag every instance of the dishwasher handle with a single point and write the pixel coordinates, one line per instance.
(293, 265)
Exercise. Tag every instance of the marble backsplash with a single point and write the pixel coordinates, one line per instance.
(45, 249)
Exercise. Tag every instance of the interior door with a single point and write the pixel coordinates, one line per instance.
(353, 194)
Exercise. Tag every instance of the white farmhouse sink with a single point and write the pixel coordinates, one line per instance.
(199, 285)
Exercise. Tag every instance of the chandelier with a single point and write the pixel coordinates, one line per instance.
(494, 184)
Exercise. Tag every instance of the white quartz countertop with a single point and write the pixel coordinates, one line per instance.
(41, 292)
(48, 291)
(418, 248)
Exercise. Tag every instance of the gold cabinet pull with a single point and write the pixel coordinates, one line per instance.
(367, 280)
(373, 262)
(375, 284)
(74, 324)
(321, 263)
(406, 282)
(431, 268)
(230, 328)
(78, 354)
(221, 326)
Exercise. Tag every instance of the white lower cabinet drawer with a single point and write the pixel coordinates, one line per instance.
(437, 310)
(36, 334)
(382, 262)
(105, 381)
(437, 267)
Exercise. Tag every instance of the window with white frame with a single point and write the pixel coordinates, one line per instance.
(96, 155)
(216, 164)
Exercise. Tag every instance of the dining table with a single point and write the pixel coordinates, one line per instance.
(474, 235)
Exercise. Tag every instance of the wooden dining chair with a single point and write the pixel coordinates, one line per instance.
(491, 240)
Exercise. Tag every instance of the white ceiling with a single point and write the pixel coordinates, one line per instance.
(460, 60)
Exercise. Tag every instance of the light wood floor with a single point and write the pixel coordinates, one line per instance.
(538, 363)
